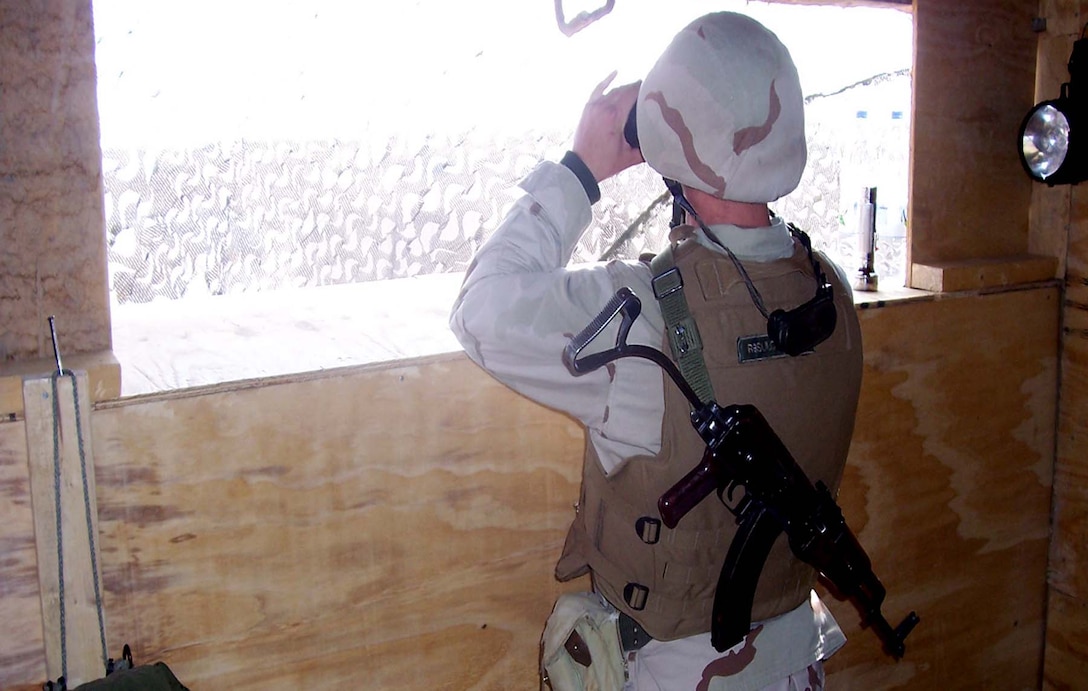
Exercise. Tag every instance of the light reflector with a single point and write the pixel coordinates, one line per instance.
(1044, 140)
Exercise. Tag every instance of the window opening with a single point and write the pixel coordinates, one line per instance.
(255, 146)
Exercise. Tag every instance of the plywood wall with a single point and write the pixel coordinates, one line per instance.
(1067, 627)
(397, 528)
(1060, 221)
(384, 529)
(950, 479)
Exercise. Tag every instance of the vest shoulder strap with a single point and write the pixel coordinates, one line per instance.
(680, 327)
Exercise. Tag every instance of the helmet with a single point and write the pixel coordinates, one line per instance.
(721, 111)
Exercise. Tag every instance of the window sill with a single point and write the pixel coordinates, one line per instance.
(167, 346)
(981, 274)
(235, 342)
(215, 341)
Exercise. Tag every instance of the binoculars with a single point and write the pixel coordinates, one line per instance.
(630, 129)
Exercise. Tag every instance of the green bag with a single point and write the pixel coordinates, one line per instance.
(156, 677)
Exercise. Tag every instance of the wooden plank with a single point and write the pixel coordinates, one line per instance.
(974, 75)
(396, 526)
(979, 274)
(1050, 206)
(1060, 218)
(22, 646)
(102, 368)
(1067, 622)
(1067, 626)
(61, 459)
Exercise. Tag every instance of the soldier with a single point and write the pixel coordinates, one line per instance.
(720, 113)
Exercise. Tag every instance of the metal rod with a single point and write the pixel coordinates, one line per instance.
(56, 349)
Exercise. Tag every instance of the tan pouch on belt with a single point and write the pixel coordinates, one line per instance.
(580, 648)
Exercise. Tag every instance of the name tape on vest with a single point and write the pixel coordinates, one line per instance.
(755, 348)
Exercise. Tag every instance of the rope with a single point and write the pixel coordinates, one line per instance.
(60, 545)
(87, 509)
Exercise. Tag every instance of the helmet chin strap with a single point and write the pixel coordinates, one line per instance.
(680, 203)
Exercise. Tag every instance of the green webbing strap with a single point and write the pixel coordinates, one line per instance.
(683, 333)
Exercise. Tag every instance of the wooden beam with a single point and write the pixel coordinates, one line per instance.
(980, 274)
(102, 369)
(61, 460)
(974, 80)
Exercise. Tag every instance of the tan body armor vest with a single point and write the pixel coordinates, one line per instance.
(666, 579)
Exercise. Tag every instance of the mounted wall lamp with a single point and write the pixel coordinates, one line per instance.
(1054, 135)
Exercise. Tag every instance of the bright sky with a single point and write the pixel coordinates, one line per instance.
(207, 70)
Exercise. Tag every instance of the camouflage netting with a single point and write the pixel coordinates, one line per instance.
(253, 216)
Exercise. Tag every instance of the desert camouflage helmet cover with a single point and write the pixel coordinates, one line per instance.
(722, 111)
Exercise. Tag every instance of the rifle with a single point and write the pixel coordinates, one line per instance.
(744, 453)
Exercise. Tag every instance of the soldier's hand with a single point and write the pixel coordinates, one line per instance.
(599, 140)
